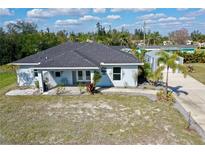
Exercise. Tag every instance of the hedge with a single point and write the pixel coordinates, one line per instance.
(196, 57)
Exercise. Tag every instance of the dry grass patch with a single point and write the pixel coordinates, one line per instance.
(98, 119)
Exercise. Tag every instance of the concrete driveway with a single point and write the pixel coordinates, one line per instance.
(191, 94)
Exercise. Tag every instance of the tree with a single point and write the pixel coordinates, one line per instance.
(197, 36)
(179, 36)
(167, 61)
(22, 27)
(156, 75)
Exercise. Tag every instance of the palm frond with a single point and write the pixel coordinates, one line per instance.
(182, 69)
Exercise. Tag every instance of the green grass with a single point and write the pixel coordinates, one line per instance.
(199, 72)
(92, 119)
(7, 79)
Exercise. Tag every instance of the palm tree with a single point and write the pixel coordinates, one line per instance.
(168, 61)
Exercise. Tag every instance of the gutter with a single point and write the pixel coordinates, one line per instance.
(122, 64)
(24, 63)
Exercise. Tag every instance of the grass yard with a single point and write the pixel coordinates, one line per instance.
(7, 79)
(199, 72)
(98, 119)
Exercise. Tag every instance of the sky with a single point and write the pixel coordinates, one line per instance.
(164, 20)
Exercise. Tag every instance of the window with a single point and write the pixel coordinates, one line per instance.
(35, 73)
(116, 73)
(58, 74)
(80, 75)
(87, 75)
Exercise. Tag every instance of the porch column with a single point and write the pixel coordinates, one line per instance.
(40, 80)
(91, 75)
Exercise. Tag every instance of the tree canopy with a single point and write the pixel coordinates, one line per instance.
(22, 39)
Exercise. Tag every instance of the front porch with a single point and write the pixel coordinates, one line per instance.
(48, 79)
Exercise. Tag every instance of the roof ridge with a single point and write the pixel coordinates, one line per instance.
(82, 55)
(85, 57)
(74, 51)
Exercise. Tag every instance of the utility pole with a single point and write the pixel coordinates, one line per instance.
(144, 28)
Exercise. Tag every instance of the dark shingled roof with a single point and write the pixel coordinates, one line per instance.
(73, 54)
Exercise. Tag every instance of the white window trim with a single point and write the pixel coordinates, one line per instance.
(117, 74)
(84, 75)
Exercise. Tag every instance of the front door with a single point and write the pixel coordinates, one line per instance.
(74, 77)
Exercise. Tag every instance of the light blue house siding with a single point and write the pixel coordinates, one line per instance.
(128, 76)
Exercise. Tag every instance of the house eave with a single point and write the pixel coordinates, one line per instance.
(121, 64)
(34, 64)
(65, 68)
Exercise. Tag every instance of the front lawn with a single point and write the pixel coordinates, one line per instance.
(96, 119)
(199, 72)
(7, 79)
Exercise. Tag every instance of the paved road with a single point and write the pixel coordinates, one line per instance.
(192, 95)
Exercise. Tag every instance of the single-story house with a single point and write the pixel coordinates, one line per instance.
(151, 57)
(71, 63)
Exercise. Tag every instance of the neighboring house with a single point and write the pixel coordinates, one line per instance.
(152, 58)
(122, 48)
(189, 42)
(72, 63)
(171, 48)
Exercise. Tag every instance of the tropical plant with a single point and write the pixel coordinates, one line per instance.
(37, 84)
(96, 78)
(168, 61)
(155, 76)
(162, 96)
(90, 88)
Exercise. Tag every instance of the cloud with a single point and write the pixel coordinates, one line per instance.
(132, 9)
(197, 13)
(182, 9)
(152, 16)
(74, 22)
(89, 18)
(5, 12)
(167, 19)
(99, 10)
(113, 17)
(46, 13)
(186, 18)
(68, 22)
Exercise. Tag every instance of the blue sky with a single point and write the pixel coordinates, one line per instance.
(84, 20)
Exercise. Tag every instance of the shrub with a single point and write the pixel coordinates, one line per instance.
(162, 96)
(37, 84)
(197, 57)
(60, 90)
(90, 88)
(96, 78)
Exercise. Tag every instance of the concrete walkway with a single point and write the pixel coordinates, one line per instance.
(191, 95)
(23, 92)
